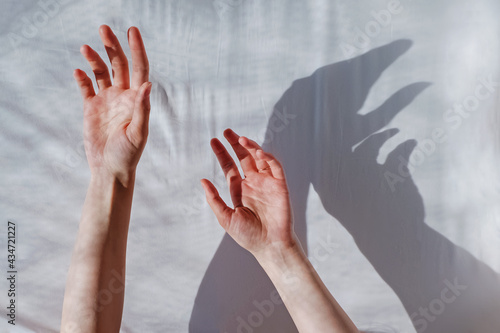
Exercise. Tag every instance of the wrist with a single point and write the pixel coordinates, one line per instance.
(287, 267)
(280, 256)
(106, 212)
(104, 177)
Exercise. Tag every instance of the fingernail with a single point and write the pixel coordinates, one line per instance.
(229, 131)
(103, 27)
(76, 73)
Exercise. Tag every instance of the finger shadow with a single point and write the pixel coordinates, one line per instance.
(313, 130)
(328, 144)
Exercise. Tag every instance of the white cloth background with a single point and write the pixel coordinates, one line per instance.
(276, 67)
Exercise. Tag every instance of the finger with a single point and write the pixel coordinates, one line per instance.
(252, 147)
(246, 160)
(98, 66)
(119, 62)
(138, 127)
(369, 149)
(218, 206)
(230, 170)
(248, 143)
(264, 167)
(140, 64)
(85, 84)
(374, 62)
(225, 160)
(276, 168)
(398, 159)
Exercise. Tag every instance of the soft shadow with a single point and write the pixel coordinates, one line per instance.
(312, 131)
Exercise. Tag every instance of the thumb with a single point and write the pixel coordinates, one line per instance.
(138, 127)
(219, 207)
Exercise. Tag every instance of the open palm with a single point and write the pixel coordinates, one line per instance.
(115, 119)
(261, 216)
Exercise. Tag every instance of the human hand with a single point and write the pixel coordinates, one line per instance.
(116, 119)
(261, 220)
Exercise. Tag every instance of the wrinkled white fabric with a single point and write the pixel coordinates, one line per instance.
(400, 251)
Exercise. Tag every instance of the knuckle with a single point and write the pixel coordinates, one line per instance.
(227, 165)
(100, 71)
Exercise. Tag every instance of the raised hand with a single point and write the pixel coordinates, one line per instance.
(116, 118)
(261, 219)
(115, 133)
(261, 222)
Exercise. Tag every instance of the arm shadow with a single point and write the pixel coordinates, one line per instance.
(313, 129)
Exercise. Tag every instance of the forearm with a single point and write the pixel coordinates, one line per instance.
(93, 300)
(310, 304)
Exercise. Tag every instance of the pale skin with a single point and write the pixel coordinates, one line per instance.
(262, 222)
(115, 133)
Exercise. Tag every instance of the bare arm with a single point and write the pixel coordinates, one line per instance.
(115, 133)
(261, 222)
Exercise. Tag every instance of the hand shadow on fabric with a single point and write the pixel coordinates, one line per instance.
(313, 131)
